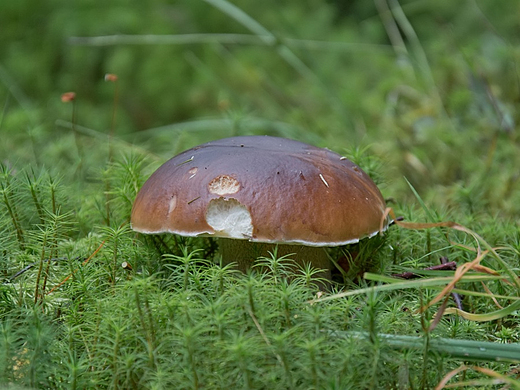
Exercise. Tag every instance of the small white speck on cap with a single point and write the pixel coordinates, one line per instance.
(323, 180)
(193, 172)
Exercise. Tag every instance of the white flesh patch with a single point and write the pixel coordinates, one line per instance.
(223, 185)
(229, 218)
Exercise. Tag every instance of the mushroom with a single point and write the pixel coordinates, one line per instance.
(255, 192)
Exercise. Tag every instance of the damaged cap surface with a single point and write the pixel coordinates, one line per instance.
(261, 188)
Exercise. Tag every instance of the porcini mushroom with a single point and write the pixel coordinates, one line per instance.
(255, 192)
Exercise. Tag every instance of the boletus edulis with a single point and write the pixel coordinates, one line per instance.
(255, 192)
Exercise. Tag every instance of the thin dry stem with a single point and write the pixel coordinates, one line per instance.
(72, 273)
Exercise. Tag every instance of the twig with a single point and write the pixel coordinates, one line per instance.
(398, 219)
(451, 266)
(73, 272)
(456, 296)
(28, 267)
(445, 266)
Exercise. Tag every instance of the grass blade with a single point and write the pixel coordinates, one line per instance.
(467, 350)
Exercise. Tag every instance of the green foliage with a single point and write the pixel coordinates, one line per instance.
(421, 90)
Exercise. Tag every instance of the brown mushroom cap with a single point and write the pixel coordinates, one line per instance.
(263, 189)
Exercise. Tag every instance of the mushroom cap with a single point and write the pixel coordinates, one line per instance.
(263, 189)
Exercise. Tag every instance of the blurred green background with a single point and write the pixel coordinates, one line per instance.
(421, 91)
(429, 88)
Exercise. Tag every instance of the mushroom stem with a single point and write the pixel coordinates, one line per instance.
(244, 253)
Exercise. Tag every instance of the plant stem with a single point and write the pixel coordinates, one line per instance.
(114, 263)
(36, 293)
(14, 218)
(34, 195)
